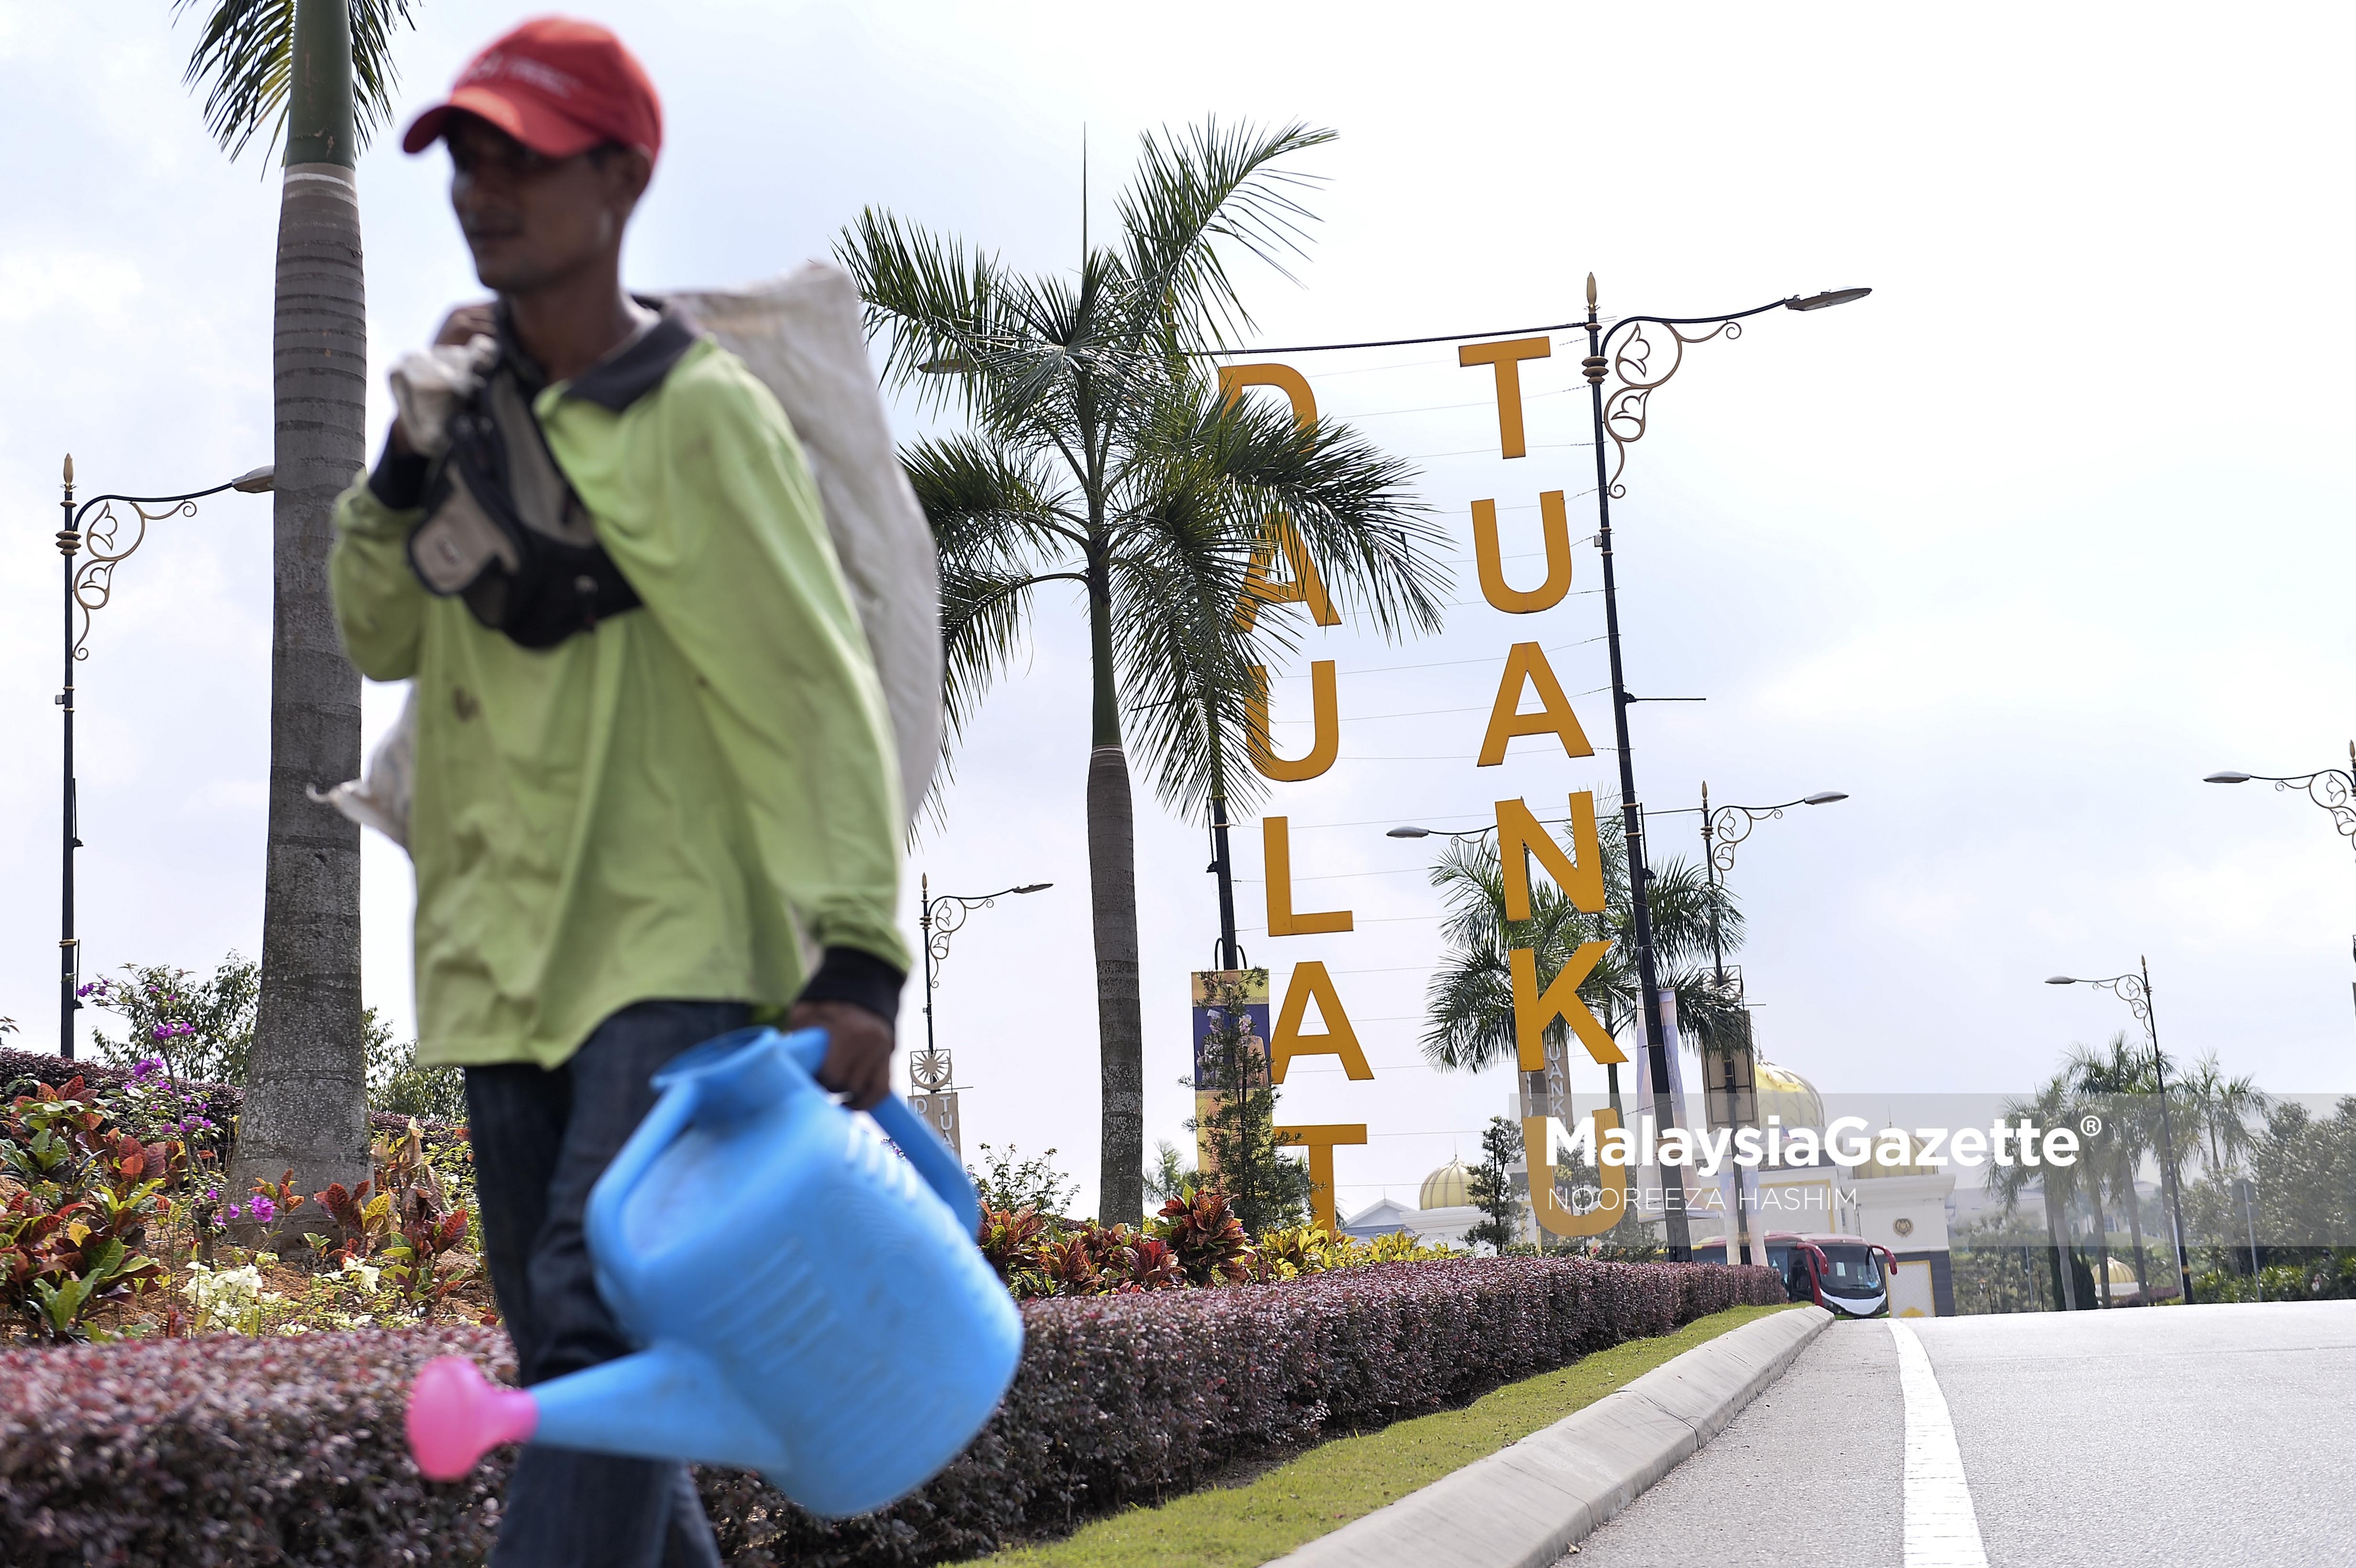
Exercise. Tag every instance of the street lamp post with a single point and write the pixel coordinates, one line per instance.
(939, 919)
(1222, 866)
(2135, 991)
(89, 585)
(1619, 421)
(2333, 789)
(1722, 830)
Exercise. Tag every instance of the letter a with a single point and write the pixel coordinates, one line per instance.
(1339, 1039)
(1520, 836)
(1527, 663)
(1535, 1010)
(1262, 585)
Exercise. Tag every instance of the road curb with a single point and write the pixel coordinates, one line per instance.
(1523, 1506)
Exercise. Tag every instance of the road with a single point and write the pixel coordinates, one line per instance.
(2209, 1435)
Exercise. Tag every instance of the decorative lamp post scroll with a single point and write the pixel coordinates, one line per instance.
(89, 588)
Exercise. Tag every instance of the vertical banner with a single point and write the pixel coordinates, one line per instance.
(1226, 1000)
(941, 1111)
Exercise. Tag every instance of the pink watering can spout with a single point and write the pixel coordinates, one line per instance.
(456, 1417)
(808, 1299)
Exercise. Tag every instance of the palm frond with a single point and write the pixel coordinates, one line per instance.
(1185, 670)
(1478, 935)
(245, 56)
(1213, 185)
(1378, 549)
(994, 526)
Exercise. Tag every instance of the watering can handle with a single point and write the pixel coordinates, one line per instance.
(913, 1136)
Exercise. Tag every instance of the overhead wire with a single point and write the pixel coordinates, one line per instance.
(1401, 342)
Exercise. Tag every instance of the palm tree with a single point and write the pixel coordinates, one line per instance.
(2222, 1109)
(1099, 454)
(2053, 1106)
(319, 75)
(2119, 1084)
(1469, 1005)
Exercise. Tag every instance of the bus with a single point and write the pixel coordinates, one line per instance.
(1846, 1275)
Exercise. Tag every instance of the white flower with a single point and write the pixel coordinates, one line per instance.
(367, 1274)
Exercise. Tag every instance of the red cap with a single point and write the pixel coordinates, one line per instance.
(558, 86)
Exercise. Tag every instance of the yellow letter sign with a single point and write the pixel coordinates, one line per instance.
(1326, 727)
(1339, 1038)
(1508, 357)
(1276, 846)
(1491, 562)
(1526, 665)
(1534, 1009)
(1520, 835)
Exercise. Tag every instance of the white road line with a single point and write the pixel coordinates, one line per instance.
(1941, 1530)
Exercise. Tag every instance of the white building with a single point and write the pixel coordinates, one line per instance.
(1444, 1211)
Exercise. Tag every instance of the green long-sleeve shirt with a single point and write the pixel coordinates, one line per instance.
(656, 807)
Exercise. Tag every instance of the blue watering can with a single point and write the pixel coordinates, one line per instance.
(809, 1308)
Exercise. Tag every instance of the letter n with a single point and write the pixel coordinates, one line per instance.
(1520, 836)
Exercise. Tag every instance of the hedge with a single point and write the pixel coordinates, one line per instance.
(234, 1451)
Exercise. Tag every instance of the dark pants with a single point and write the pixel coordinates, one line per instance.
(541, 1141)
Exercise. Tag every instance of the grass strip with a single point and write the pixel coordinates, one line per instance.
(1335, 1482)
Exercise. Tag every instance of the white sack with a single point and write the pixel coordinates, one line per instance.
(802, 334)
(380, 800)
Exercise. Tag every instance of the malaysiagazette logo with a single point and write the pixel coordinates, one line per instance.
(1846, 1140)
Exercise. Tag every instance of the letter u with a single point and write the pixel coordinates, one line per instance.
(1490, 558)
(1324, 706)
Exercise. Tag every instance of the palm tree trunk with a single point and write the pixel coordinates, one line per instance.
(2135, 1233)
(1112, 906)
(306, 1101)
(2066, 1287)
(2102, 1243)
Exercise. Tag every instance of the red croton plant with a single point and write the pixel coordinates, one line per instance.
(75, 1197)
(1194, 1241)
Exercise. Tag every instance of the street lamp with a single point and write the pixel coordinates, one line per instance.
(1722, 830)
(2135, 991)
(1410, 831)
(2334, 789)
(941, 918)
(1728, 826)
(89, 586)
(1620, 419)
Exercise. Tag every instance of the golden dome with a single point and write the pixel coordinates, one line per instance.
(1450, 1187)
(1784, 1092)
(1876, 1166)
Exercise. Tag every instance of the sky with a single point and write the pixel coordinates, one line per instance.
(2012, 552)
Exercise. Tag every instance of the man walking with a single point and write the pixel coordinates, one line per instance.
(652, 758)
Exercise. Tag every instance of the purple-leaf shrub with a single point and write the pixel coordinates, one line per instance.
(234, 1451)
